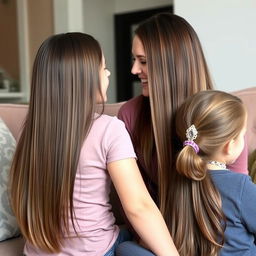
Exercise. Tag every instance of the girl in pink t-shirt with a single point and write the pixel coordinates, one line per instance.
(67, 156)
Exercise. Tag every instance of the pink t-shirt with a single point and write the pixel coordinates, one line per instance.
(107, 141)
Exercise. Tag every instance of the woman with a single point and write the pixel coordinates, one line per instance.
(170, 63)
(67, 156)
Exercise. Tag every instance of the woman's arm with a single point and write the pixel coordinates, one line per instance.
(140, 208)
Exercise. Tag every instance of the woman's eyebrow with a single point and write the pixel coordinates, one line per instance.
(140, 56)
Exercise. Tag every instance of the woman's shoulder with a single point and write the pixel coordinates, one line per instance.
(129, 111)
(130, 105)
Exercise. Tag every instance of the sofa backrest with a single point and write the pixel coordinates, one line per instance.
(14, 114)
(248, 96)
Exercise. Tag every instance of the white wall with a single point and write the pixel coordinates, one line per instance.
(99, 22)
(227, 32)
(68, 16)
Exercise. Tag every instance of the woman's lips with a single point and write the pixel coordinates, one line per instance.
(144, 82)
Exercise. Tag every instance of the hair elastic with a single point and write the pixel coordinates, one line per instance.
(192, 144)
(191, 134)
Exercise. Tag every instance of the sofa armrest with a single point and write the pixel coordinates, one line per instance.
(12, 247)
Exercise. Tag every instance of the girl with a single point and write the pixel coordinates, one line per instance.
(66, 155)
(210, 127)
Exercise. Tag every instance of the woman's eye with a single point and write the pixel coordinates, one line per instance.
(142, 62)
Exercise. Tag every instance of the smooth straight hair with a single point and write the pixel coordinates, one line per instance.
(176, 69)
(64, 88)
(198, 222)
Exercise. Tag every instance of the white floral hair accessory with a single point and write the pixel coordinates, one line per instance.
(191, 135)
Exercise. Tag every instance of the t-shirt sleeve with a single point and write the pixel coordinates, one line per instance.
(248, 205)
(117, 142)
(241, 163)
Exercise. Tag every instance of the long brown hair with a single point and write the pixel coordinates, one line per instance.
(65, 82)
(176, 70)
(197, 225)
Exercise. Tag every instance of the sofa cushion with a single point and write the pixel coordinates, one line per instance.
(8, 225)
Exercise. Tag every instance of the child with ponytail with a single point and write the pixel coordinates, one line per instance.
(212, 208)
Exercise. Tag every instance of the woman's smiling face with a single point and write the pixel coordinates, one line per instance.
(139, 67)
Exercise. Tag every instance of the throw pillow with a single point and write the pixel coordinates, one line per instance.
(252, 166)
(8, 225)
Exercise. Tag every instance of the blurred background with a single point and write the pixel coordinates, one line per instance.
(226, 29)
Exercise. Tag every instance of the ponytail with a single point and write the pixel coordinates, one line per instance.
(197, 228)
(190, 165)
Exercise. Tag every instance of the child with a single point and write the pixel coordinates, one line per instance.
(66, 155)
(210, 127)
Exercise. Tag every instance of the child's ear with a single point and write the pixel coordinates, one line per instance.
(228, 147)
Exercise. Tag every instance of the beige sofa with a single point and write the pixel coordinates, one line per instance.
(14, 114)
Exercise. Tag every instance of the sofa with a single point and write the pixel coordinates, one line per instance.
(14, 114)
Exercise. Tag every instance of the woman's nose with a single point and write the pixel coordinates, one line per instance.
(135, 68)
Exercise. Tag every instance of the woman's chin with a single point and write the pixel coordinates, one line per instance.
(145, 92)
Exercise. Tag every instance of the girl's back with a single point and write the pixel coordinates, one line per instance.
(106, 141)
(238, 194)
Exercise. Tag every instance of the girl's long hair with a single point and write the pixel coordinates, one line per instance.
(198, 222)
(65, 82)
(176, 70)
